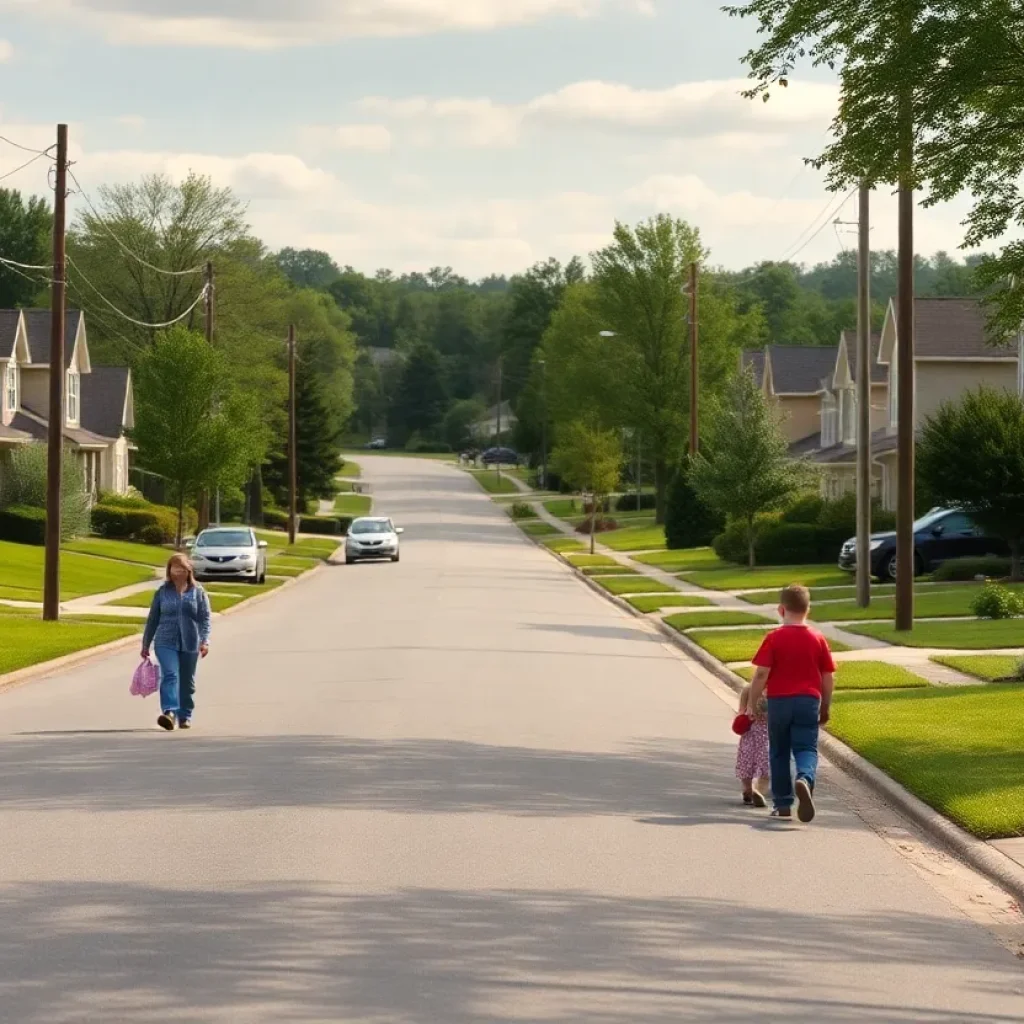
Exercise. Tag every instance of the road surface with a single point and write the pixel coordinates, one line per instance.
(463, 788)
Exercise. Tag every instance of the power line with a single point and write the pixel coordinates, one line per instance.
(27, 149)
(27, 163)
(125, 248)
(24, 266)
(824, 224)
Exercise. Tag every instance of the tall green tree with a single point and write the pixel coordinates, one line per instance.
(589, 459)
(193, 426)
(971, 456)
(25, 230)
(308, 268)
(743, 468)
(422, 395)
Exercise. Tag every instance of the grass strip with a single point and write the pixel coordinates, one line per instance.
(635, 538)
(655, 602)
(866, 675)
(738, 644)
(736, 578)
(971, 635)
(991, 668)
(620, 585)
(30, 641)
(684, 559)
(695, 620)
(353, 504)
(121, 551)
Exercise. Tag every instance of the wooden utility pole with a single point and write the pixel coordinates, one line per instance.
(544, 425)
(497, 461)
(292, 441)
(864, 400)
(204, 497)
(694, 364)
(55, 429)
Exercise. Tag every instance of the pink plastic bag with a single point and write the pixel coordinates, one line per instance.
(146, 679)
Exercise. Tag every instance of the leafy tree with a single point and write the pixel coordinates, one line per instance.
(589, 459)
(25, 229)
(971, 456)
(459, 421)
(192, 424)
(422, 395)
(744, 467)
(689, 523)
(308, 268)
(316, 446)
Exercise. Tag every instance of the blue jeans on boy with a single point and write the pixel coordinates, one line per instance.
(177, 681)
(792, 734)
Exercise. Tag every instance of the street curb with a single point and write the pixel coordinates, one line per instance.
(976, 853)
(57, 665)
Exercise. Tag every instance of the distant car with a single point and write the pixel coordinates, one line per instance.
(372, 537)
(229, 552)
(500, 456)
(943, 534)
(377, 444)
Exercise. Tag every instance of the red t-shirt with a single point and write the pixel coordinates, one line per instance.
(796, 657)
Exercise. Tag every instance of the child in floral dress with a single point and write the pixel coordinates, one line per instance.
(752, 761)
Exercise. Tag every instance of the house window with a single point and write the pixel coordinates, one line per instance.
(849, 416)
(73, 383)
(829, 415)
(11, 387)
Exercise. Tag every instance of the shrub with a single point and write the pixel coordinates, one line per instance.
(131, 500)
(331, 526)
(522, 510)
(152, 534)
(417, 445)
(601, 525)
(689, 523)
(997, 602)
(964, 569)
(731, 544)
(153, 524)
(795, 544)
(807, 509)
(275, 519)
(23, 524)
(24, 486)
(629, 503)
(841, 515)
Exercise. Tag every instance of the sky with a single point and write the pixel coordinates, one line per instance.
(484, 135)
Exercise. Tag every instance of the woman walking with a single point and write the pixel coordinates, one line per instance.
(178, 628)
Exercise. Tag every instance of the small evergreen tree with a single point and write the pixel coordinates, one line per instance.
(689, 523)
(744, 468)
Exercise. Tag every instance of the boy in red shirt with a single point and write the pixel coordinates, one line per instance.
(795, 667)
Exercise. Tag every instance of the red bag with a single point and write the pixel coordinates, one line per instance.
(741, 724)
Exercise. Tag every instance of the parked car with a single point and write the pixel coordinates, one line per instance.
(229, 552)
(378, 444)
(372, 537)
(942, 534)
(502, 456)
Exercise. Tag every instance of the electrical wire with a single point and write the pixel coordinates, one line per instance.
(28, 149)
(124, 248)
(27, 163)
(140, 323)
(24, 266)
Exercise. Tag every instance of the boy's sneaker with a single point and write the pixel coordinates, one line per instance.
(782, 812)
(184, 723)
(757, 799)
(805, 801)
(166, 721)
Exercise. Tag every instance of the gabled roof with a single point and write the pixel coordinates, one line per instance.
(9, 320)
(104, 405)
(800, 369)
(32, 423)
(879, 372)
(37, 325)
(946, 328)
(11, 434)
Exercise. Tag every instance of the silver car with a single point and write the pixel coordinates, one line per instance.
(373, 537)
(229, 552)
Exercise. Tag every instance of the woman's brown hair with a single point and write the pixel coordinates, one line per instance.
(186, 563)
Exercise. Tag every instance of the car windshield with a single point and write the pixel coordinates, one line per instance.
(931, 518)
(225, 539)
(371, 526)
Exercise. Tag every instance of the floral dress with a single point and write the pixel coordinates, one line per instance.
(752, 755)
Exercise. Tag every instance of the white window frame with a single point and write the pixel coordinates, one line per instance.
(11, 386)
(74, 397)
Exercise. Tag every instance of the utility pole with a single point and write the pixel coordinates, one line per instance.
(497, 461)
(694, 334)
(544, 425)
(292, 441)
(204, 499)
(55, 429)
(864, 400)
(905, 370)
(639, 467)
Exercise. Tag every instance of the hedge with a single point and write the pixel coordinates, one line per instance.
(961, 570)
(23, 524)
(331, 526)
(150, 524)
(628, 502)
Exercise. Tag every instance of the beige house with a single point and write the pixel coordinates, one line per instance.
(98, 402)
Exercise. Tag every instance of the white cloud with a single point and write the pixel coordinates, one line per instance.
(365, 138)
(6, 51)
(269, 24)
(133, 121)
(467, 122)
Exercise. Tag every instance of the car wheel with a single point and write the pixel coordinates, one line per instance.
(890, 568)
(395, 558)
(349, 560)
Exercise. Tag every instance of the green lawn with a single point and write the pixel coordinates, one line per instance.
(489, 480)
(990, 667)
(974, 635)
(817, 594)
(737, 578)
(564, 508)
(686, 559)
(610, 570)
(695, 620)
(589, 561)
(292, 561)
(21, 573)
(635, 538)
(537, 528)
(957, 748)
(317, 548)
(655, 602)
(866, 675)
(108, 620)
(621, 585)
(223, 595)
(30, 641)
(738, 644)
(945, 603)
(351, 470)
(353, 504)
(121, 550)
(563, 544)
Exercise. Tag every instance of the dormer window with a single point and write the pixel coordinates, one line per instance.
(73, 396)
(11, 386)
(849, 425)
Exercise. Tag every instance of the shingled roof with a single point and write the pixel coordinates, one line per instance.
(879, 373)
(8, 331)
(104, 392)
(34, 424)
(800, 369)
(950, 328)
(37, 327)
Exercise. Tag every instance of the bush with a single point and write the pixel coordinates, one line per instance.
(152, 534)
(417, 445)
(331, 526)
(629, 503)
(522, 510)
(964, 569)
(601, 525)
(807, 509)
(152, 524)
(275, 519)
(130, 500)
(23, 524)
(731, 544)
(689, 523)
(997, 602)
(24, 486)
(796, 544)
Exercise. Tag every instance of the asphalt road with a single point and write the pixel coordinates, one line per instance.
(463, 788)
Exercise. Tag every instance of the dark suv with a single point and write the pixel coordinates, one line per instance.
(504, 456)
(942, 534)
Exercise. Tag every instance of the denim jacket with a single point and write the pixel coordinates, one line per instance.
(181, 622)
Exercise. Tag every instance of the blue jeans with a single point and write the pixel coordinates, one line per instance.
(792, 734)
(177, 681)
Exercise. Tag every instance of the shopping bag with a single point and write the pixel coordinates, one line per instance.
(146, 679)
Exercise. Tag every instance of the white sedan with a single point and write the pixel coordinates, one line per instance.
(229, 552)
(373, 537)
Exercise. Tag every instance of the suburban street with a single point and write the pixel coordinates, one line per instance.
(463, 788)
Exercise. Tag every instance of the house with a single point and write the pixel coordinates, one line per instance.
(98, 401)
(486, 429)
